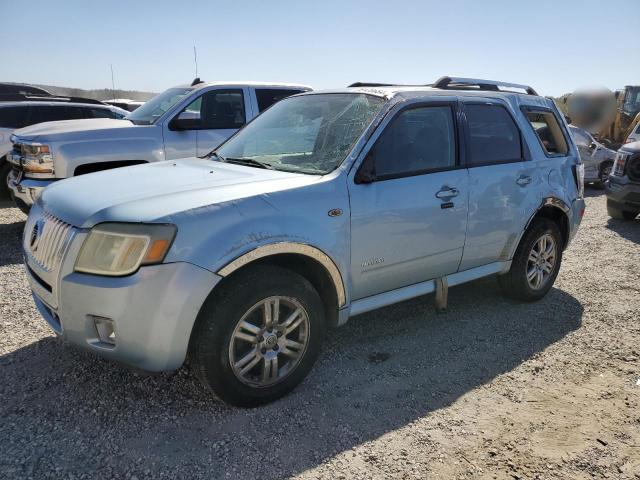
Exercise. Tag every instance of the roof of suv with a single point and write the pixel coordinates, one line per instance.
(39, 103)
(450, 86)
(251, 84)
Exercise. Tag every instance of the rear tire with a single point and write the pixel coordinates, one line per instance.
(248, 356)
(603, 173)
(616, 211)
(536, 262)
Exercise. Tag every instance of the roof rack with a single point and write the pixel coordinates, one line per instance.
(371, 84)
(459, 83)
(21, 97)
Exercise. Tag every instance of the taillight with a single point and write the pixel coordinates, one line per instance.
(619, 164)
(578, 176)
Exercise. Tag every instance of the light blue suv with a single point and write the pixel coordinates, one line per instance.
(327, 205)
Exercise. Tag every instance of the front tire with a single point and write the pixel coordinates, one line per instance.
(616, 211)
(258, 336)
(536, 262)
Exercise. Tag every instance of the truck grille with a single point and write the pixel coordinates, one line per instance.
(45, 240)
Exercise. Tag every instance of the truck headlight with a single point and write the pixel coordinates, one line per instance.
(37, 158)
(118, 249)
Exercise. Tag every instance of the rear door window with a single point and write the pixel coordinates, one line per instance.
(548, 130)
(493, 135)
(14, 117)
(268, 96)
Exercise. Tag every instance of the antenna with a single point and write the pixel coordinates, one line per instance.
(113, 85)
(195, 59)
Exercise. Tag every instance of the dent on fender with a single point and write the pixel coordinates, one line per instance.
(296, 248)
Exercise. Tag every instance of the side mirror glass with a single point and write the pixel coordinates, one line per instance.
(593, 147)
(367, 171)
(186, 120)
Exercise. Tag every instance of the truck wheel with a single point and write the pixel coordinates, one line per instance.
(616, 211)
(605, 170)
(536, 262)
(5, 170)
(257, 338)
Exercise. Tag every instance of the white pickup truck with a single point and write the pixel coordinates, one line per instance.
(184, 121)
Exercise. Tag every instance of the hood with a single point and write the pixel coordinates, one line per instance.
(146, 193)
(49, 129)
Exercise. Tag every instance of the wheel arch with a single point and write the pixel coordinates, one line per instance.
(306, 260)
(557, 211)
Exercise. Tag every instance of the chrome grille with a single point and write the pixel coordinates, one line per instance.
(45, 240)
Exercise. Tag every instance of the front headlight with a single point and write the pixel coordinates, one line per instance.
(37, 158)
(118, 249)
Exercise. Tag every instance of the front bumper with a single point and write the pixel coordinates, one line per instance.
(152, 311)
(623, 191)
(26, 190)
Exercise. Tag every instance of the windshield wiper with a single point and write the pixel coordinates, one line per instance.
(250, 162)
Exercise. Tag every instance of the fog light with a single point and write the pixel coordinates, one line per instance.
(106, 330)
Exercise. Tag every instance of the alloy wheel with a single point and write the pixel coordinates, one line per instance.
(269, 341)
(541, 261)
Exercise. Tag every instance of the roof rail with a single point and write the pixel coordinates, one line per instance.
(459, 83)
(371, 84)
(21, 97)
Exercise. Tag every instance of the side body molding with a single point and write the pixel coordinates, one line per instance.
(295, 248)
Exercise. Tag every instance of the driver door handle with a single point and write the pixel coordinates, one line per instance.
(446, 193)
(523, 180)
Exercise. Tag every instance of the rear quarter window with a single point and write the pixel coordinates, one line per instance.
(549, 132)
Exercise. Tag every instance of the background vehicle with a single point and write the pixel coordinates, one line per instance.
(620, 124)
(18, 88)
(125, 103)
(596, 158)
(623, 187)
(328, 205)
(20, 114)
(181, 122)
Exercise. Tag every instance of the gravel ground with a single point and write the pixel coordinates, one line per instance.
(492, 388)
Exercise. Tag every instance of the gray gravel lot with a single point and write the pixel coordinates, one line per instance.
(492, 388)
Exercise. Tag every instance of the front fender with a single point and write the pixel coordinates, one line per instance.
(227, 236)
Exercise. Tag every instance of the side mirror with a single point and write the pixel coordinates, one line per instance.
(367, 171)
(186, 120)
(593, 147)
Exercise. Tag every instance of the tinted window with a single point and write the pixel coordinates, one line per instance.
(14, 117)
(99, 113)
(548, 131)
(217, 109)
(268, 96)
(493, 135)
(49, 113)
(73, 113)
(417, 140)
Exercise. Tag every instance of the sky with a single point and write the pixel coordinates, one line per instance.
(555, 46)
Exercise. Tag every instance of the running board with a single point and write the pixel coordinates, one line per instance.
(423, 288)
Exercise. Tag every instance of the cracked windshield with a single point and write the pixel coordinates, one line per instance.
(308, 134)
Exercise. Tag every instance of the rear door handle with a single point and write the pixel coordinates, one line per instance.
(447, 193)
(523, 180)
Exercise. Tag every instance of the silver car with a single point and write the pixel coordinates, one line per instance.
(597, 159)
